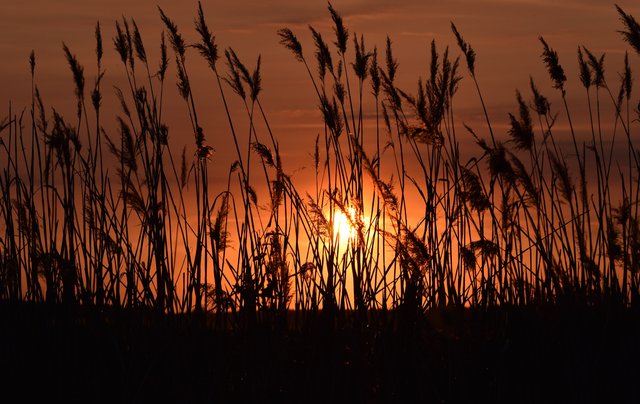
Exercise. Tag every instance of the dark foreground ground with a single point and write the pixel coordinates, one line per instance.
(534, 354)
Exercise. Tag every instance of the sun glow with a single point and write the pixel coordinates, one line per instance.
(344, 230)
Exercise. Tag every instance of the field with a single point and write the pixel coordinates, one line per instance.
(541, 354)
(409, 269)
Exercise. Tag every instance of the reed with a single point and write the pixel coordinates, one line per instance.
(514, 225)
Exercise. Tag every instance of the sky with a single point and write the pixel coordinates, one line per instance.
(504, 34)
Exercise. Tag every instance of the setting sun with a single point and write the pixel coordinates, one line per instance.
(345, 225)
(343, 229)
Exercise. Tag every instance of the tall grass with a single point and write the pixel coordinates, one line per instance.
(525, 221)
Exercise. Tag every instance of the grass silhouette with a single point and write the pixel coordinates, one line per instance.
(512, 225)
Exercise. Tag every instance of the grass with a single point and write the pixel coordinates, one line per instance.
(95, 222)
(524, 221)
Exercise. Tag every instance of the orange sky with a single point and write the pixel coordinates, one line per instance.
(503, 33)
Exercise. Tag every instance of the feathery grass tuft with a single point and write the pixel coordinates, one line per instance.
(632, 33)
(342, 34)
(291, 42)
(556, 72)
(207, 47)
(467, 50)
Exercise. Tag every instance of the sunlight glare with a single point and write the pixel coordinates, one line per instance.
(343, 230)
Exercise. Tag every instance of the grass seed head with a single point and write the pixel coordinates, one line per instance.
(289, 40)
(632, 33)
(342, 34)
(207, 46)
(556, 72)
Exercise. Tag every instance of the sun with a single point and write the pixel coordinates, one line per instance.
(343, 229)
